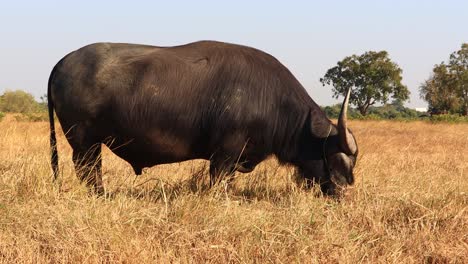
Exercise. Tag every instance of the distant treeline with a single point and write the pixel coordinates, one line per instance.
(393, 111)
(25, 108)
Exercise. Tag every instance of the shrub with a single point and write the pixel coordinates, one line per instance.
(388, 111)
(18, 102)
(334, 111)
(448, 118)
(32, 117)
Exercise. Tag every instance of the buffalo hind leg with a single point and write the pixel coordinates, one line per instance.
(88, 167)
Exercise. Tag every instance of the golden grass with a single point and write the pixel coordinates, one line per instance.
(409, 204)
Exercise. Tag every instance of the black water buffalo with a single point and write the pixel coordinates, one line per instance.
(230, 104)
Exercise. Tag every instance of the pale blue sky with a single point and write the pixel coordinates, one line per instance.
(307, 36)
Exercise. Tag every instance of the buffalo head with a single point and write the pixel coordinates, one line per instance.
(330, 158)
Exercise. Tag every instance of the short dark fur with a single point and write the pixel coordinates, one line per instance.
(211, 100)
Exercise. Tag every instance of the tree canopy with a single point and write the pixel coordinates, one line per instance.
(372, 76)
(447, 88)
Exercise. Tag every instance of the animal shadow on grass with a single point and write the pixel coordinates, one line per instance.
(245, 188)
(258, 188)
(241, 187)
(155, 189)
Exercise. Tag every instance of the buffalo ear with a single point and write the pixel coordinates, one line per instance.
(347, 141)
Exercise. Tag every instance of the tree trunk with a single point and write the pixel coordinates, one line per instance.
(363, 109)
(465, 105)
(364, 106)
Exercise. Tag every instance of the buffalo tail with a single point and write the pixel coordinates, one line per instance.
(53, 139)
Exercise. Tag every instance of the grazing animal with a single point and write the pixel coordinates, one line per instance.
(230, 104)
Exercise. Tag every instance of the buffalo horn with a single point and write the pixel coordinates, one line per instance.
(346, 138)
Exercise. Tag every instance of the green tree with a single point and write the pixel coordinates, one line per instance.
(18, 102)
(373, 77)
(447, 88)
(438, 91)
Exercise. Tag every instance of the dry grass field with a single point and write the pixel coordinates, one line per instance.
(409, 205)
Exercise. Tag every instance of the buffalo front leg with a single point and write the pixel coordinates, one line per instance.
(219, 170)
(88, 167)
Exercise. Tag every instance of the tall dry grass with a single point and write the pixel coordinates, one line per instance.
(409, 204)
